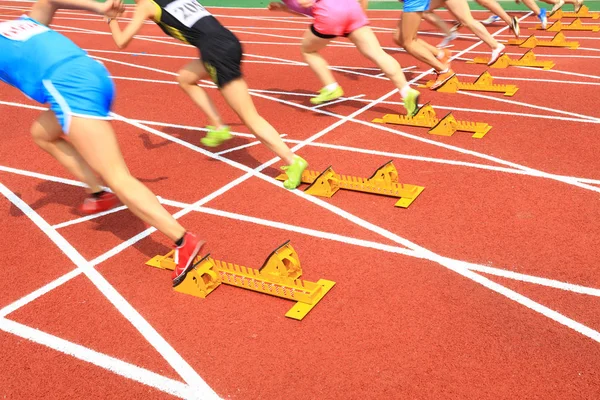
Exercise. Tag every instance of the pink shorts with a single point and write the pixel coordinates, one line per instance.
(337, 18)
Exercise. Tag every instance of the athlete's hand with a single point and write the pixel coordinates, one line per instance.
(112, 8)
(306, 3)
(276, 6)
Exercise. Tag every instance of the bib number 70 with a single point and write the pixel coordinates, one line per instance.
(188, 12)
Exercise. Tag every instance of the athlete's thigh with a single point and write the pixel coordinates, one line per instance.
(460, 9)
(313, 41)
(46, 127)
(193, 71)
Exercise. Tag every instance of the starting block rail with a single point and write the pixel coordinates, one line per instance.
(278, 276)
(446, 126)
(504, 61)
(383, 182)
(484, 83)
(559, 40)
(576, 25)
(584, 12)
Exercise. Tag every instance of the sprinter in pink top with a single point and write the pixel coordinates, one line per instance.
(333, 18)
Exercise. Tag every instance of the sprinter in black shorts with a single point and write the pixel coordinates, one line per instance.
(220, 58)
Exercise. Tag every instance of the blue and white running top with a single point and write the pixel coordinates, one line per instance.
(49, 68)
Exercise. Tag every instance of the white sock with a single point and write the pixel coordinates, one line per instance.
(404, 91)
(332, 86)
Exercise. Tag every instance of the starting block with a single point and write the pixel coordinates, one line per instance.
(504, 61)
(484, 83)
(383, 182)
(279, 276)
(531, 42)
(584, 12)
(576, 25)
(446, 126)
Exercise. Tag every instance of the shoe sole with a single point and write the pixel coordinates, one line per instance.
(491, 62)
(435, 87)
(177, 281)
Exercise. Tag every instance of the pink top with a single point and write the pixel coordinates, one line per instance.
(294, 6)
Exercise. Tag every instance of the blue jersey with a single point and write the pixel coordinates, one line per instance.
(29, 52)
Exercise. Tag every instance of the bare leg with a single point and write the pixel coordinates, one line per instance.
(367, 43)
(436, 21)
(95, 140)
(311, 45)
(496, 8)
(532, 6)
(460, 8)
(188, 79)
(237, 96)
(406, 36)
(47, 134)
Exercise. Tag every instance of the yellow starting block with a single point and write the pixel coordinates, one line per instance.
(383, 182)
(484, 83)
(584, 12)
(531, 42)
(576, 25)
(446, 126)
(504, 61)
(279, 276)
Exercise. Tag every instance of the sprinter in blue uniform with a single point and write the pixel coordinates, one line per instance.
(50, 69)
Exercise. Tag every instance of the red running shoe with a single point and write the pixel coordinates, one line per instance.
(184, 257)
(104, 202)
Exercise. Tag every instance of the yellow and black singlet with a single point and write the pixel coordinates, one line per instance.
(190, 22)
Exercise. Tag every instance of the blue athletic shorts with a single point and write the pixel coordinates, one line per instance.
(81, 87)
(416, 5)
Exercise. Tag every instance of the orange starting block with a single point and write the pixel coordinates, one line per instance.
(584, 12)
(483, 83)
(504, 61)
(279, 276)
(531, 42)
(446, 126)
(576, 25)
(383, 182)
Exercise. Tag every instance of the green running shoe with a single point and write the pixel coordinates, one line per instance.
(411, 102)
(215, 137)
(294, 173)
(327, 95)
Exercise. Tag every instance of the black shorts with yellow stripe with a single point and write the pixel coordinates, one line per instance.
(221, 53)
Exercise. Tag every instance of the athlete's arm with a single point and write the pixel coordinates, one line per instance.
(43, 10)
(143, 11)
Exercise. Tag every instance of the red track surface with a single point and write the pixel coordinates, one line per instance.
(398, 323)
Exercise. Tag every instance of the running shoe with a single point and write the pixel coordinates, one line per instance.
(455, 27)
(92, 205)
(411, 102)
(448, 39)
(491, 20)
(496, 54)
(514, 26)
(216, 137)
(294, 172)
(557, 7)
(184, 257)
(577, 5)
(543, 18)
(327, 95)
(442, 77)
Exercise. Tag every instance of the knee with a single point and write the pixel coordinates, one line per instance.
(184, 80)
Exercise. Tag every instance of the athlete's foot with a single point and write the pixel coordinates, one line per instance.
(448, 39)
(514, 26)
(455, 27)
(496, 53)
(557, 7)
(326, 95)
(184, 257)
(294, 172)
(99, 203)
(543, 18)
(444, 57)
(442, 77)
(577, 6)
(411, 102)
(215, 137)
(491, 20)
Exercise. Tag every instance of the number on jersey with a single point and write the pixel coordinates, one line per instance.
(21, 30)
(188, 12)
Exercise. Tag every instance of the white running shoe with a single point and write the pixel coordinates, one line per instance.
(491, 20)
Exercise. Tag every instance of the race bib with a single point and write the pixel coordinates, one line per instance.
(21, 30)
(188, 12)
